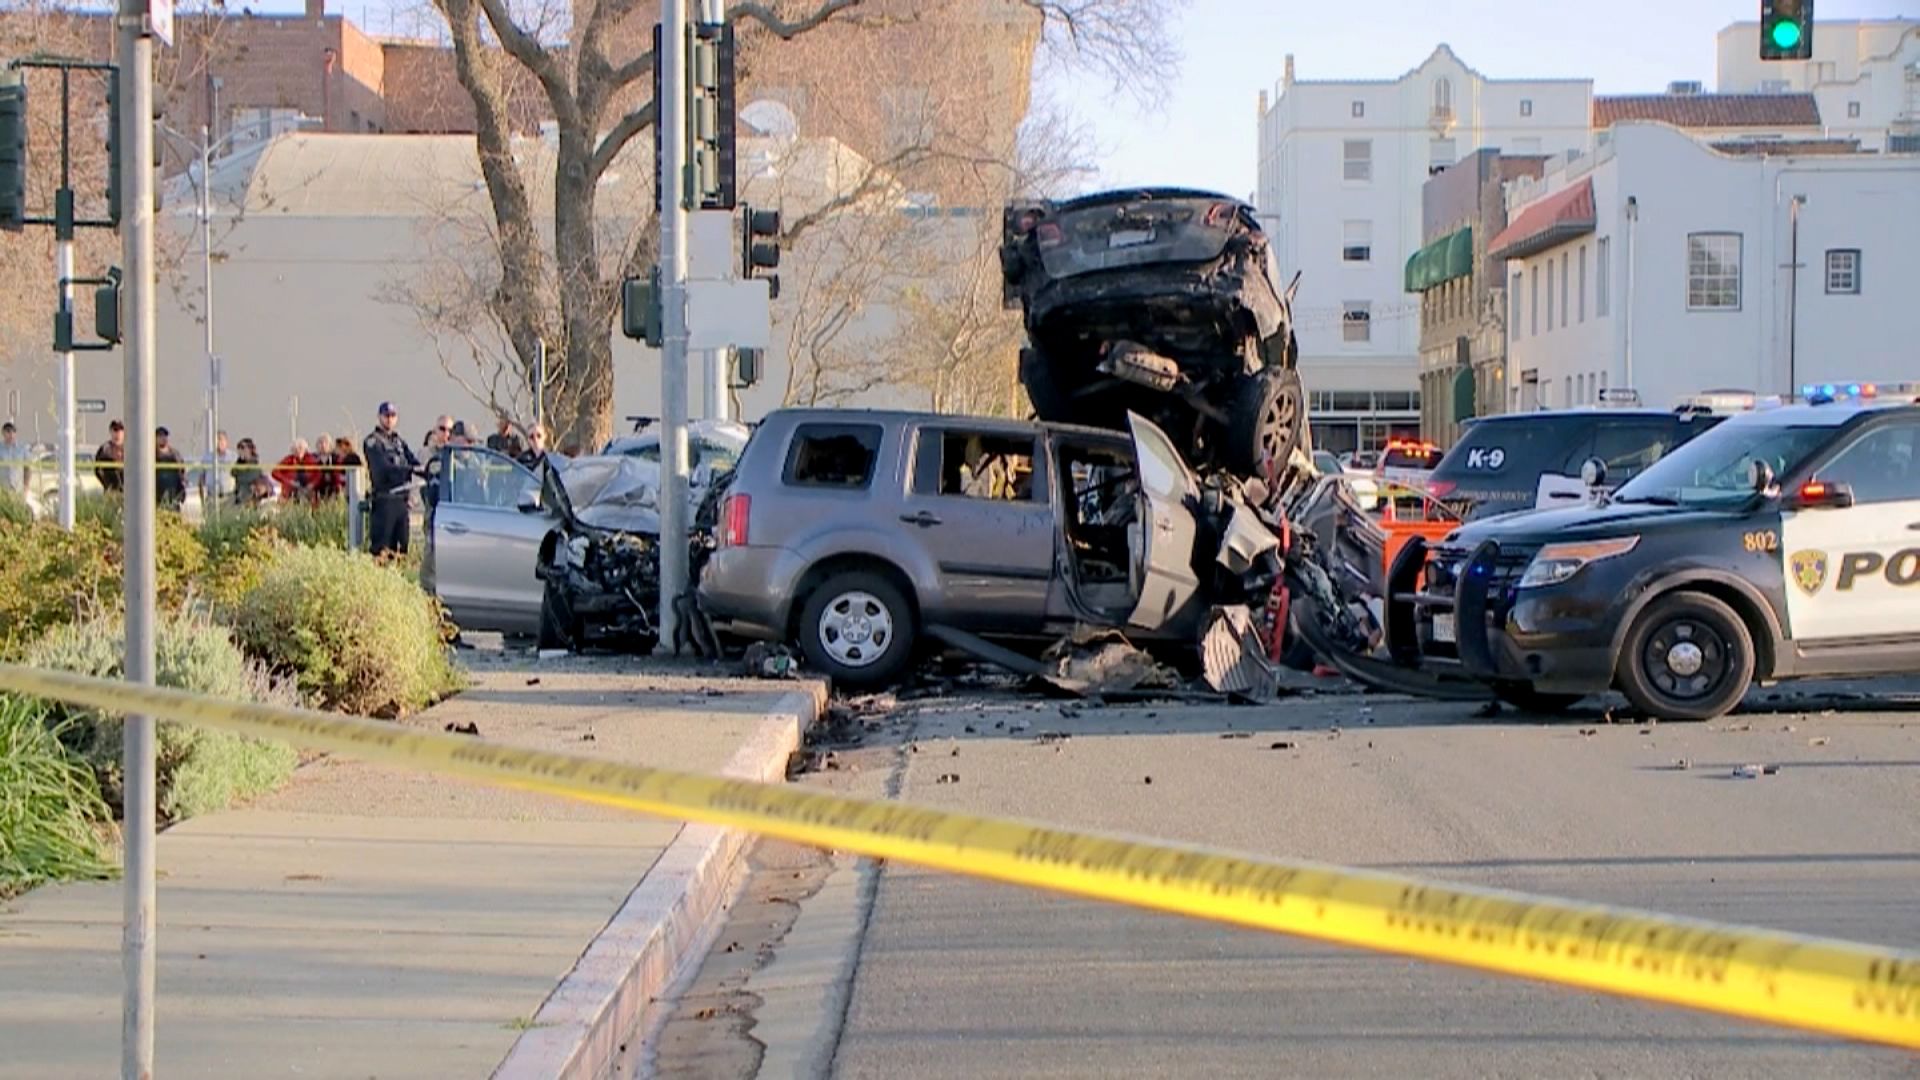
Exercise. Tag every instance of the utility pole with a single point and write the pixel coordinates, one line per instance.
(63, 273)
(713, 362)
(673, 279)
(137, 23)
(206, 286)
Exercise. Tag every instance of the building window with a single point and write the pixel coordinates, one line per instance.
(1359, 159)
(1843, 271)
(1713, 271)
(1602, 267)
(1513, 322)
(1549, 294)
(1526, 106)
(1583, 283)
(1356, 242)
(1359, 110)
(1853, 110)
(1580, 389)
(1566, 283)
(1533, 307)
(1356, 321)
(1443, 97)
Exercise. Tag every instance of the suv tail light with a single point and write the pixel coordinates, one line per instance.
(1440, 489)
(734, 516)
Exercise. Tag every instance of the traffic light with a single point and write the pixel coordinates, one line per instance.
(641, 317)
(113, 147)
(13, 154)
(748, 367)
(1786, 29)
(712, 118)
(760, 246)
(106, 308)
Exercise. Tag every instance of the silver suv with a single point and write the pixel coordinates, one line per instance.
(851, 532)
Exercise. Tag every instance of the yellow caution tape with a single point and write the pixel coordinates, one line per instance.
(1824, 985)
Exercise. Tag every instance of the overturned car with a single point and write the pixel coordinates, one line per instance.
(1161, 302)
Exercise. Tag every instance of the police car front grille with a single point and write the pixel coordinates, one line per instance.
(1444, 565)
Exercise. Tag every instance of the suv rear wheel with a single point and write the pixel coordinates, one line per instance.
(1269, 411)
(857, 629)
(1688, 657)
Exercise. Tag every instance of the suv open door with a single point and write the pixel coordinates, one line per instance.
(1164, 530)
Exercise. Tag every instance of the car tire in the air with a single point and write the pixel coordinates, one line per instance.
(1268, 415)
(857, 629)
(1522, 696)
(1688, 657)
(1049, 402)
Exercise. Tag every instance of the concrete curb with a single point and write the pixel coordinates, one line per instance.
(579, 1030)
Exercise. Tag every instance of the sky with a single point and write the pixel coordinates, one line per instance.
(1202, 133)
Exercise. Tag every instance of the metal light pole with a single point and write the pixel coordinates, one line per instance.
(206, 285)
(673, 281)
(136, 148)
(63, 272)
(713, 362)
(1793, 294)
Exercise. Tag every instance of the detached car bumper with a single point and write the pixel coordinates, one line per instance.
(1464, 610)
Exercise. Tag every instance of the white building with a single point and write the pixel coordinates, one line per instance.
(1341, 168)
(1663, 264)
(1864, 74)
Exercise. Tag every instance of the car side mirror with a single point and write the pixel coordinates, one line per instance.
(1818, 495)
(529, 501)
(1593, 472)
(1760, 476)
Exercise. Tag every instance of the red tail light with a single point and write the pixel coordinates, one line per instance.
(1440, 489)
(1050, 234)
(735, 515)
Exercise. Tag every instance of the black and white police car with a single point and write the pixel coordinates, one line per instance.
(1784, 543)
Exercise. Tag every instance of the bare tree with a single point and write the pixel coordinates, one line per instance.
(551, 274)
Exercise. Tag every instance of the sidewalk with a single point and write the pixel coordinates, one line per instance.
(369, 922)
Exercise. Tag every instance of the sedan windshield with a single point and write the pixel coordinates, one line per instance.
(1716, 468)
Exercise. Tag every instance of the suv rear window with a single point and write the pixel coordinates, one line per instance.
(833, 455)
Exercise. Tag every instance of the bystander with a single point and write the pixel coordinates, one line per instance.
(13, 460)
(110, 461)
(169, 471)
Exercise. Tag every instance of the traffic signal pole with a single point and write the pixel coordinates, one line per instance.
(136, 144)
(63, 273)
(672, 118)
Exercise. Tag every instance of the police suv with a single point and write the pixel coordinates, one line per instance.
(1784, 543)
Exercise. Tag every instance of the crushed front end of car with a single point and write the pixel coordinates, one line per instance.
(1163, 302)
(601, 564)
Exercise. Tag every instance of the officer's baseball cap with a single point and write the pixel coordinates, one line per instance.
(387, 409)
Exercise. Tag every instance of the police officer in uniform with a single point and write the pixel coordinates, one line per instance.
(391, 467)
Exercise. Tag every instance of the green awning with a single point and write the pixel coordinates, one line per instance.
(1464, 392)
(1442, 261)
(1459, 254)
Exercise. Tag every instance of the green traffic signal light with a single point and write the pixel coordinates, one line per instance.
(1786, 34)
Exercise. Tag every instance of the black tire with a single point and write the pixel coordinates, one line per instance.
(1688, 657)
(556, 619)
(1050, 403)
(1525, 698)
(881, 650)
(1266, 421)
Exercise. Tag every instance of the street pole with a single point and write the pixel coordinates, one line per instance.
(1793, 295)
(136, 149)
(673, 353)
(206, 288)
(63, 271)
(540, 386)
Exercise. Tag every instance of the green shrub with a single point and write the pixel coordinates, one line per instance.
(307, 524)
(355, 634)
(200, 769)
(50, 577)
(225, 535)
(101, 509)
(14, 511)
(52, 818)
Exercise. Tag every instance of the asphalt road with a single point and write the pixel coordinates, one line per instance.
(898, 972)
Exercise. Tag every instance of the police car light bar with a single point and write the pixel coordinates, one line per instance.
(1861, 391)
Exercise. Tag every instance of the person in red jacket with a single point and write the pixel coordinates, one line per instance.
(295, 473)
